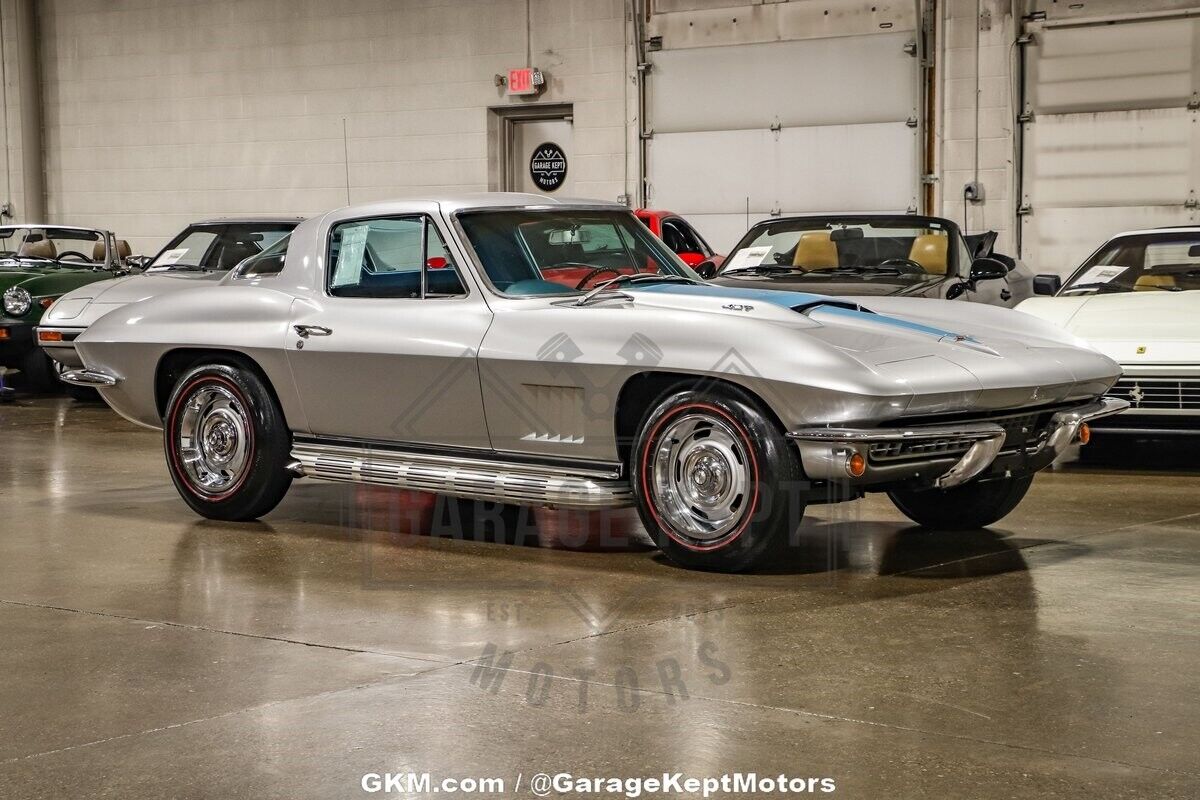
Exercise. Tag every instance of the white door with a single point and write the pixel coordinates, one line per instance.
(1110, 144)
(540, 156)
(745, 131)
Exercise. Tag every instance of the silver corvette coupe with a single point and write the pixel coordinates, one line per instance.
(518, 349)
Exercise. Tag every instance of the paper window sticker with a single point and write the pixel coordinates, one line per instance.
(749, 256)
(1101, 274)
(170, 257)
(350, 256)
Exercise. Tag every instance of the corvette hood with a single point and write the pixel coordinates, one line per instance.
(945, 351)
(1133, 327)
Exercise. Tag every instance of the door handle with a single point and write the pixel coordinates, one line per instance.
(305, 331)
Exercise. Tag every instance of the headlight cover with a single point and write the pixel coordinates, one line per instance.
(17, 302)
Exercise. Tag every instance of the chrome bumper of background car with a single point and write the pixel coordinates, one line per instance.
(94, 378)
(502, 481)
(943, 455)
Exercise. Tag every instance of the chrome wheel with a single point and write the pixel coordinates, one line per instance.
(214, 440)
(700, 477)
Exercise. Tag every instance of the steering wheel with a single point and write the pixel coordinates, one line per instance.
(75, 253)
(597, 271)
(906, 262)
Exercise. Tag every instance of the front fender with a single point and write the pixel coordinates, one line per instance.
(131, 341)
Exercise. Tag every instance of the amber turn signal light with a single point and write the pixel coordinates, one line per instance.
(49, 336)
(856, 465)
(3, 333)
(1085, 434)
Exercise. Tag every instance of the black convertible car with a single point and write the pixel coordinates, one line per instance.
(873, 254)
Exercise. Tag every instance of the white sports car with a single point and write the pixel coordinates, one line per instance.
(1136, 300)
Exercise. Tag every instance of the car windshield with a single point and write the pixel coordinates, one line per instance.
(850, 245)
(52, 246)
(564, 252)
(219, 246)
(1152, 262)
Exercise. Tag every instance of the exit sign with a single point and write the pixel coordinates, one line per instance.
(526, 80)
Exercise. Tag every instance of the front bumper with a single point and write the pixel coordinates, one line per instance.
(91, 378)
(943, 455)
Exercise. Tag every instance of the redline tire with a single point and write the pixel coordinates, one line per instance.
(967, 507)
(717, 484)
(226, 442)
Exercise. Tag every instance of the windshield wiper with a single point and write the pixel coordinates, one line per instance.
(181, 268)
(637, 277)
(1113, 288)
(761, 268)
(858, 270)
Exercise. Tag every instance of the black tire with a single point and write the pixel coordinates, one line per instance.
(731, 449)
(38, 373)
(241, 469)
(966, 507)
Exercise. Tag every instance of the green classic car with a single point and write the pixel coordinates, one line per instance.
(39, 263)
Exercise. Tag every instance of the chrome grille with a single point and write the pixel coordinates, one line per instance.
(1178, 394)
(1021, 431)
(927, 448)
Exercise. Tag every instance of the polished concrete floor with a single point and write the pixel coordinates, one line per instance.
(145, 652)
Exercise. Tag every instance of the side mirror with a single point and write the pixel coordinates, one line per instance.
(1046, 284)
(987, 269)
(691, 259)
(138, 262)
(706, 269)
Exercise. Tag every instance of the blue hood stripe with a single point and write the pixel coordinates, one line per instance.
(788, 300)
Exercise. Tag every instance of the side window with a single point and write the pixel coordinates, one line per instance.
(267, 263)
(680, 237)
(382, 258)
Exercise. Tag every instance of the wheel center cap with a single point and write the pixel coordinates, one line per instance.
(220, 441)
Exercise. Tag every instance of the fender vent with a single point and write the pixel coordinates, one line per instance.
(555, 413)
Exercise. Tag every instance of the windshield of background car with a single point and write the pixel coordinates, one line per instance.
(61, 245)
(527, 252)
(854, 245)
(1153, 262)
(219, 246)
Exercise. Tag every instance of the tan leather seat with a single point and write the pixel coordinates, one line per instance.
(1146, 283)
(814, 250)
(37, 248)
(930, 251)
(124, 251)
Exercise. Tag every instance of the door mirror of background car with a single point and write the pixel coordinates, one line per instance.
(706, 270)
(982, 269)
(1046, 284)
(987, 269)
(691, 259)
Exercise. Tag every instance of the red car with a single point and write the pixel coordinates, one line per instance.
(681, 237)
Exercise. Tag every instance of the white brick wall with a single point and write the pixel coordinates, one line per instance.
(158, 112)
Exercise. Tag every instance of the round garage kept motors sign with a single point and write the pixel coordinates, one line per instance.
(548, 166)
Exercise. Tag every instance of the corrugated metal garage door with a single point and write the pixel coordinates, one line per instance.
(744, 131)
(1112, 144)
